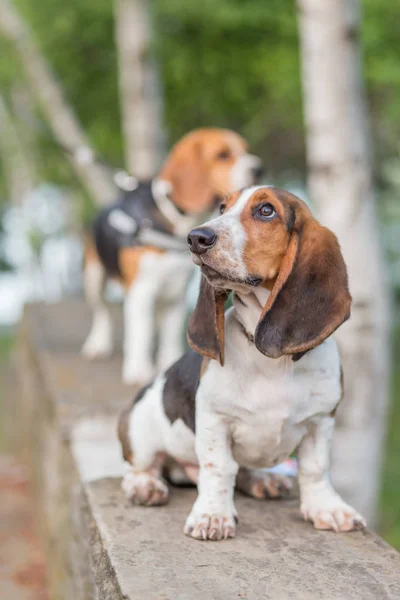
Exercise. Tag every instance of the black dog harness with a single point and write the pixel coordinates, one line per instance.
(135, 220)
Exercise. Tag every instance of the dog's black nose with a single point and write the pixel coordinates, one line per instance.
(257, 171)
(201, 239)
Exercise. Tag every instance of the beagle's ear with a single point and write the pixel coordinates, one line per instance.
(206, 327)
(310, 298)
(186, 171)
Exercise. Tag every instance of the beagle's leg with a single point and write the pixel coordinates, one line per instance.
(319, 501)
(261, 484)
(172, 334)
(213, 516)
(99, 341)
(141, 440)
(139, 321)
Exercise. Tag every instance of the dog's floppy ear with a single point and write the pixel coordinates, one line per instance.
(207, 323)
(310, 298)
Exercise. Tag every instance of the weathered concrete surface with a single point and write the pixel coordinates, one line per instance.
(102, 547)
(275, 554)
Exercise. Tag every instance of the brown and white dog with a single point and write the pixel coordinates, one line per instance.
(142, 242)
(261, 381)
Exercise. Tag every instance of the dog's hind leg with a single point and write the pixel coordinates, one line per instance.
(146, 487)
(99, 342)
(141, 441)
(260, 484)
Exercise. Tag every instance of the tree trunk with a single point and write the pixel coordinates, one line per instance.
(19, 168)
(341, 188)
(63, 122)
(140, 88)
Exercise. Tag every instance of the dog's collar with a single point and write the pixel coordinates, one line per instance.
(181, 222)
(247, 335)
(250, 338)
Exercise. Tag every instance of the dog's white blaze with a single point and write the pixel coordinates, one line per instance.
(241, 202)
(229, 226)
(242, 170)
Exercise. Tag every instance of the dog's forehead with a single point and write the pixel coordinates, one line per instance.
(285, 203)
(217, 139)
(252, 196)
(234, 140)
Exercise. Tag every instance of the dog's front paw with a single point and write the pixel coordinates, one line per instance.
(333, 514)
(96, 347)
(210, 526)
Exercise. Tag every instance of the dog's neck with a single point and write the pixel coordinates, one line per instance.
(248, 308)
(181, 222)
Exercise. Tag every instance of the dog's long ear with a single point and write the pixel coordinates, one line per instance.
(207, 323)
(310, 298)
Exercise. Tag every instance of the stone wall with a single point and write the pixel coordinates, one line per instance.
(62, 420)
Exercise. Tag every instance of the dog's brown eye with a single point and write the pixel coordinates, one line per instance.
(224, 155)
(222, 208)
(265, 212)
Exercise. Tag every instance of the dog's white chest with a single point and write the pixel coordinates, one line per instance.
(265, 428)
(268, 403)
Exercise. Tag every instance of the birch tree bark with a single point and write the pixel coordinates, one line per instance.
(341, 188)
(19, 169)
(140, 88)
(60, 116)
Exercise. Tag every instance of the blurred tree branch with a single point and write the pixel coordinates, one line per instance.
(341, 186)
(140, 88)
(61, 118)
(20, 172)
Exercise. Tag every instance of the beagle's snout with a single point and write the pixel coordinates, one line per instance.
(201, 239)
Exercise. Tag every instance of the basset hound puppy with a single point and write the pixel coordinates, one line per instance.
(261, 381)
(141, 241)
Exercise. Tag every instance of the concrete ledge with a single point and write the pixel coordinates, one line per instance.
(101, 547)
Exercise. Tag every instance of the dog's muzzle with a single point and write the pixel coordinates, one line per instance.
(201, 239)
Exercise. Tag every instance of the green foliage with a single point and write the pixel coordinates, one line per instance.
(381, 50)
(77, 39)
(230, 63)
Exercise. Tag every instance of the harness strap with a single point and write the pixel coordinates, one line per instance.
(146, 236)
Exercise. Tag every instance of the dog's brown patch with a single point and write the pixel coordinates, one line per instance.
(267, 242)
(129, 261)
(89, 251)
(123, 434)
(204, 365)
